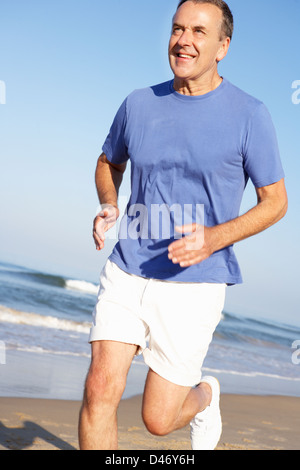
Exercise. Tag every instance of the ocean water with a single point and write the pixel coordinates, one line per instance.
(44, 352)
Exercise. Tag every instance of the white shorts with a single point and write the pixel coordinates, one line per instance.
(172, 323)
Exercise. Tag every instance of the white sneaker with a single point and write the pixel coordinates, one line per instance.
(206, 427)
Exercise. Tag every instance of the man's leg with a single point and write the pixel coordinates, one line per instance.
(184, 318)
(104, 388)
(168, 407)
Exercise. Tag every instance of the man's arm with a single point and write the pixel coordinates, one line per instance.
(108, 180)
(202, 242)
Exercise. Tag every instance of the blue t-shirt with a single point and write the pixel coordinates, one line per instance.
(191, 158)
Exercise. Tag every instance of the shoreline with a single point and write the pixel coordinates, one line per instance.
(62, 377)
(249, 423)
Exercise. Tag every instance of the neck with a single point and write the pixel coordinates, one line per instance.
(197, 87)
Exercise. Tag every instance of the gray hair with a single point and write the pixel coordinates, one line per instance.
(228, 22)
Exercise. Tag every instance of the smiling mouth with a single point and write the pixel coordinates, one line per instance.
(184, 56)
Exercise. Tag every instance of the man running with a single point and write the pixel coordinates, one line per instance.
(193, 143)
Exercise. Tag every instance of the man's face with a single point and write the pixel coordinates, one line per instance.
(195, 46)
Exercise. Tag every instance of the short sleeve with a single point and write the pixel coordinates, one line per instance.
(262, 161)
(115, 147)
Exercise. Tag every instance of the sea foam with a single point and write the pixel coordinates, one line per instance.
(9, 315)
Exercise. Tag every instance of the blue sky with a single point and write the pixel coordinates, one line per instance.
(67, 65)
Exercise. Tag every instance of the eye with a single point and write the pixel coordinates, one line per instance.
(176, 30)
(199, 30)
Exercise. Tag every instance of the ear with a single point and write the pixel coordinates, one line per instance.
(222, 52)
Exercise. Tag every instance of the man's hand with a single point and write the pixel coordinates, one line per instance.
(105, 220)
(201, 242)
(192, 249)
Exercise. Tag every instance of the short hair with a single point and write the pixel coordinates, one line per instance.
(228, 22)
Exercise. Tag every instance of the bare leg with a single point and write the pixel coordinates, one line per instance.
(168, 407)
(104, 387)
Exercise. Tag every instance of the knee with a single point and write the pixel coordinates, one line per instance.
(102, 389)
(157, 424)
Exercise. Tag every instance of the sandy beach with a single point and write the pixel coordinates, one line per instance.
(249, 423)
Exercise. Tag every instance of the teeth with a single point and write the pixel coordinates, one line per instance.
(185, 56)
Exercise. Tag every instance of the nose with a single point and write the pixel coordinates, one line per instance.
(185, 38)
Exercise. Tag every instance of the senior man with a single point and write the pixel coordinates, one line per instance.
(193, 143)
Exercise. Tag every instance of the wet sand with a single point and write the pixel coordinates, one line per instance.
(249, 423)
